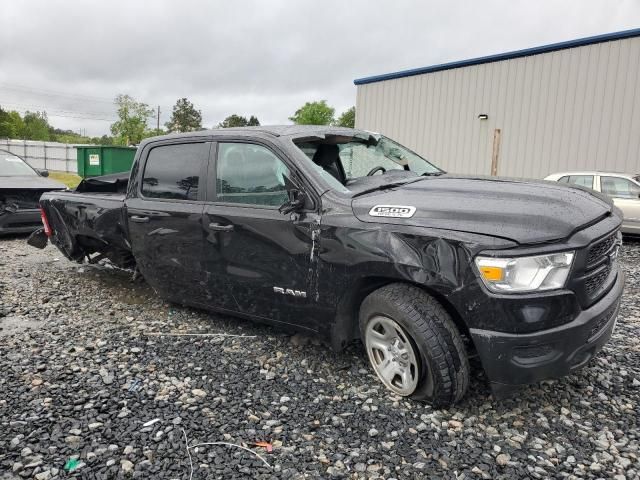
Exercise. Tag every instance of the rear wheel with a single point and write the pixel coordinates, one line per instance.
(413, 345)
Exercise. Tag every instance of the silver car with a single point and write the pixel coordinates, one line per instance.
(622, 188)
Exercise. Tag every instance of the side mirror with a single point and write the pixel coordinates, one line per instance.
(295, 202)
(43, 173)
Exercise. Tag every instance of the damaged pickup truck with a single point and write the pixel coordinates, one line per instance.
(20, 190)
(349, 235)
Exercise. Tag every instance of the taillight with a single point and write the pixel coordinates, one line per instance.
(45, 222)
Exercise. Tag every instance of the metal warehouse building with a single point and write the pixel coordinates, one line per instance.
(568, 106)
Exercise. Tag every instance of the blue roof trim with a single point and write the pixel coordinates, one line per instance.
(580, 42)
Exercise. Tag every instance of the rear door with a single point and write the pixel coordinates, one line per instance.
(258, 256)
(165, 218)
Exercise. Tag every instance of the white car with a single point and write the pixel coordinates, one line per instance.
(622, 188)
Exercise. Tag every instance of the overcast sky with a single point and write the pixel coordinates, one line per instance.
(263, 58)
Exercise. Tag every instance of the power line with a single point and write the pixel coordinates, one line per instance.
(45, 109)
(84, 118)
(54, 113)
(64, 113)
(41, 91)
(81, 117)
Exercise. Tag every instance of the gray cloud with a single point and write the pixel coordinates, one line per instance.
(252, 57)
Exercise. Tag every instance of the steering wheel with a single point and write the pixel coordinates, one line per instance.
(375, 170)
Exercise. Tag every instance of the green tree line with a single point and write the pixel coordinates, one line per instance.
(35, 126)
(134, 119)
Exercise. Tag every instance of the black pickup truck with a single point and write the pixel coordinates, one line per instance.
(349, 235)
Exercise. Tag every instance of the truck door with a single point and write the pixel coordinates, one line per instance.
(164, 218)
(257, 256)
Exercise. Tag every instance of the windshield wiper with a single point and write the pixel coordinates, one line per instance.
(385, 186)
(398, 184)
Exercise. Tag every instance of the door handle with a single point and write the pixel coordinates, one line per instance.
(139, 219)
(220, 228)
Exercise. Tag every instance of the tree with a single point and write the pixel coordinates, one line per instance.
(67, 136)
(36, 126)
(239, 121)
(314, 113)
(154, 132)
(347, 118)
(103, 140)
(11, 124)
(7, 129)
(185, 117)
(131, 126)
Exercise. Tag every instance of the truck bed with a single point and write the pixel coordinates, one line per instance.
(88, 223)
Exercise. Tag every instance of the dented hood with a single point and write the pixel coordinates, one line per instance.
(523, 211)
(29, 182)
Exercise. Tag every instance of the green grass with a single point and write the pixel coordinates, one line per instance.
(71, 180)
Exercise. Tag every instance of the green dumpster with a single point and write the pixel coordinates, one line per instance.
(96, 160)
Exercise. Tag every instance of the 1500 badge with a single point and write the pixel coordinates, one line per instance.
(395, 211)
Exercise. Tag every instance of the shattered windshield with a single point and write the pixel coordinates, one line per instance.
(350, 163)
(359, 158)
(12, 166)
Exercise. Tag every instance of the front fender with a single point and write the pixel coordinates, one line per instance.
(370, 258)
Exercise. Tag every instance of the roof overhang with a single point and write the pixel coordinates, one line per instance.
(580, 42)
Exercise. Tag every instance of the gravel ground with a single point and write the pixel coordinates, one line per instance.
(85, 383)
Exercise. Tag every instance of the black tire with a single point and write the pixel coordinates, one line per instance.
(444, 366)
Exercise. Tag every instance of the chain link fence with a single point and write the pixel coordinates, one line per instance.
(44, 155)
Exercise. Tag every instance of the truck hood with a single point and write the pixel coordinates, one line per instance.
(525, 212)
(30, 182)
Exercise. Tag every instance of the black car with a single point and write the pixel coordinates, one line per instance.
(349, 235)
(20, 190)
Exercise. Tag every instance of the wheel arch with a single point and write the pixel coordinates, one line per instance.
(345, 327)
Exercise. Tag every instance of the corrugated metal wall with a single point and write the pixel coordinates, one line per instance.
(564, 110)
(47, 155)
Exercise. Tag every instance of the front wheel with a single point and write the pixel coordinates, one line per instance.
(413, 345)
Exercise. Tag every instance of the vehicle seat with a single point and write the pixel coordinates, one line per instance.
(327, 156)
(268, 180)
(232, 172)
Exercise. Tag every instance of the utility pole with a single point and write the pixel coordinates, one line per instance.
(158, 122)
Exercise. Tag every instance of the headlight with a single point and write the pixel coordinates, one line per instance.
(525, 274)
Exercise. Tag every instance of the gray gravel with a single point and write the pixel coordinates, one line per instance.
(84, 378)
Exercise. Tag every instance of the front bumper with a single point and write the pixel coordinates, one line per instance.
(516, 359)
(20, 221)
